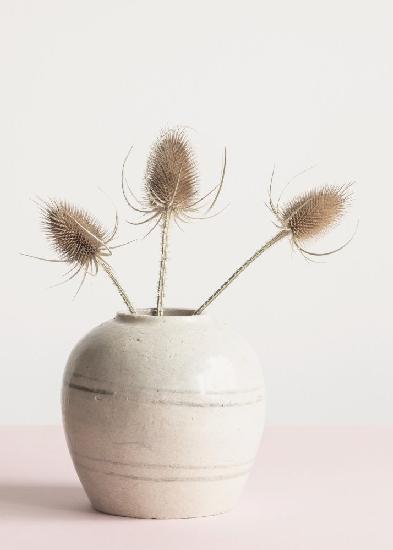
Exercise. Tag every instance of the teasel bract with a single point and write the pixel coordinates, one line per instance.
(305, 217)
(80, 240)
(171, 192)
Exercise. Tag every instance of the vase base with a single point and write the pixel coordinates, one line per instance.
(160, 517)
(175, 497)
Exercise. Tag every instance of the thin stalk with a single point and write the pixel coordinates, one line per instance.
(108, 270)
(163, 262)
(260, 251)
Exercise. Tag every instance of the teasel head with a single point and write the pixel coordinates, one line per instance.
(313, 213)
(171, 192)
(172, 178)
(171, 183)
(79, 240)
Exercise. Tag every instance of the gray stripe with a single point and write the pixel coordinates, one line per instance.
(163, 401)
(163, 479)
(91, 390)
(163, 390)
(172, 466)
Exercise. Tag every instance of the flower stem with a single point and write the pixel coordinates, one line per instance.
(163, 263)
(108, 270)
(240, 270)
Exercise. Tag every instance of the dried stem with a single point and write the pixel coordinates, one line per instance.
(108, 270)
(163, 262)
(266, 246)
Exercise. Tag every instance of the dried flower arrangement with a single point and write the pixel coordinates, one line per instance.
(171, 194)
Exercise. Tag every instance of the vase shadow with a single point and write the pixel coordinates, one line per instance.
(34, 501)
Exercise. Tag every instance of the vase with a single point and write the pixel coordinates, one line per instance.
(163, 415)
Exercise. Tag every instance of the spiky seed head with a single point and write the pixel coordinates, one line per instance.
(171, 179)
(76, 235)
(315, 211)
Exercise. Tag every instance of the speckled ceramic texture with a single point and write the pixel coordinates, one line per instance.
(163, 415)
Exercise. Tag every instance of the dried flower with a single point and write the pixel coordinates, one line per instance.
(171, 180)
(305, 217)
(76, 236)
(80, 240)
(311, 214)
(171, 192)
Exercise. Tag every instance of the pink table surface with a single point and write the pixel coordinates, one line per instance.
(311, 488)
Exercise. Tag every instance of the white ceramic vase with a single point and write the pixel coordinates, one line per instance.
(163, 415)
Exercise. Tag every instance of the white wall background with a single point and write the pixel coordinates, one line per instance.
(291, 83)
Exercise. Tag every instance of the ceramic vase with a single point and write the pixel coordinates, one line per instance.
(163, 415)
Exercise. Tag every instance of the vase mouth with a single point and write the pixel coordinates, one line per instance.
(150, 314)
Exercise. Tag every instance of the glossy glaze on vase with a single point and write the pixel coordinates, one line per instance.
(163, 415)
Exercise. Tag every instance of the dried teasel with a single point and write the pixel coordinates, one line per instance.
(171, 192)
(171, 179)
(305, 217)
(313, 213)
(80, 240)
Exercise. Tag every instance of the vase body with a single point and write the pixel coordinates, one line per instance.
(163, 415)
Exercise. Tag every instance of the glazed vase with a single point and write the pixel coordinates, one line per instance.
(163, 415)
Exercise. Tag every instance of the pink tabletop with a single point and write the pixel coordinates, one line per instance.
(311, 489)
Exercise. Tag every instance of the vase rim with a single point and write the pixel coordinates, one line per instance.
(149, 314)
